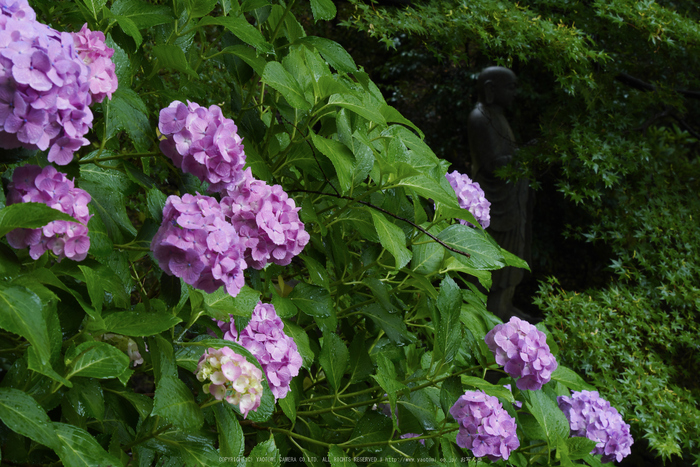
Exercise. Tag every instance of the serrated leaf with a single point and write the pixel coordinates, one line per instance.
(22, 314)
(312, 300)
(450, 391)
(128, 112)
(323, 10)
(332, 52)
(107, 189)
(570, 379)
(448, 330)
(172, 56)
(174, 402)
(143, 14)
(240, 28)
(220, 304)
(339, 458)
(29, 216)
(579, 447)
(483, 255)
(302, 341)
(87, 397)
(342, 158)
(317, 273)
(202, 7)
(282, 81)
(155, 201)
(23, 415)
(354, 104)
(392, 238)
(142, 404)
(548, 415)
(94, 6)
(429, 188)
(373, 427)
(392, 324)
(136, 323)
(231, 441)
(96, 360)
(79, 448)
(333, 359)
(265, 454)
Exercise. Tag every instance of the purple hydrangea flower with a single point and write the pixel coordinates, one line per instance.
(92, 49)
(523, 352)
(232, 377)
(267, 220)
(44, 86)
(197, 244)
(471, 197)
(65, 239)
(264, 337)
(202, 142)
(592, 417)
(484, 426)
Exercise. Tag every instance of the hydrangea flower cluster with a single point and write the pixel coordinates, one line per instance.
(484, 426)
(92, 49)
(196, 243)
(202, 142)
(44, 86)
(267, 220)
(592, 417)
(232, 378)
(523, 352)
(65, 239)
(471, 197)
(264, 337)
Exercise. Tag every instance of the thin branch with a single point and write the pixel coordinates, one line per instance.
(413, 224)
(637, 83)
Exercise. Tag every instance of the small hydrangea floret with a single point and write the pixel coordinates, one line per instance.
(196, 243)
(93, 50)
(32, 184)
(264, 337)
(484, 426)
(592, 417)
(231, 378)
(46, 87)
(267, 221)
(522, 350)
(203, 142)
(471, 197)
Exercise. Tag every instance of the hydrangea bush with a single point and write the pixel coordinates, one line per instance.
(245, 251)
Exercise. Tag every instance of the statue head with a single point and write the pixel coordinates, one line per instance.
(496, 86)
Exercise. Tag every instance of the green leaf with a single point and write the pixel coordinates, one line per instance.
(22, 314)
(392, 324)
(570, 379)
(87, 398)
(312, 300)
(332, 52)
(94, 6)
(339, 458)
(448, 329)
(333, 359)
(79, 448)
(248, 55)
(548, 415)
(96, 360)
(282, 81)
(231, 441)
(129, 27)
(386, 377)
(488, 388)
(220, 304)
(579, 447)
(421, 407)
(373, 427)
(429, 188)
(317, 273)
(427, 253)
(23, 415)
(483, 255)
(302, 341)
(172, 56)
(155, 201)
(451, 453)
(202, 7)
(137, 323)
(29, 216)
(392, 238)
(101, 278)
(342, 158)
(265, 454)
(323, 9)
(450, 391)
(240, 28)
(174, 402)
(362, 109)
(128, 112)
(108, 189)
(143, 14)
(142, 404)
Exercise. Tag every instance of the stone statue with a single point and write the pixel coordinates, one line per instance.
(492, 145)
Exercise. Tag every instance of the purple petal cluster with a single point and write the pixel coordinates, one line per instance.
(196, 243)
(44, 88)
(92, 49)
(484, 426)
(264, 337)
(232, 378)
(471, 197)
(523, 352)
(203, 142)
(266, 219)
(592, 417)
(32, 184)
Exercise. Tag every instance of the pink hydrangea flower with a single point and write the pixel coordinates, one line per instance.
(44, 86)
(232, 378)
(92, 49)
(264, 337)
(471, 197)
(65, 239)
